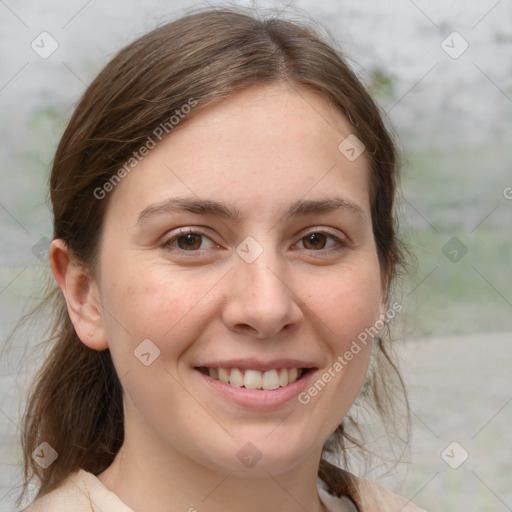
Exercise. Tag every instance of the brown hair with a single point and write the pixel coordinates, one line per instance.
(76, 401)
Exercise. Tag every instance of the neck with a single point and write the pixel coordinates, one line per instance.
(144, 479)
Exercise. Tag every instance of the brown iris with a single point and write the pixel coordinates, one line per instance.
(189, 242)
(315, 241)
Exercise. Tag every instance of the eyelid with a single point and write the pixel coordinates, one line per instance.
(341, 242)
(173, 235)
(336, 233)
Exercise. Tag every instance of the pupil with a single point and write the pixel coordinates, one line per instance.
(315, 240)
(190, 241)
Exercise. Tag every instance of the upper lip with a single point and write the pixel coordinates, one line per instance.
(258, 364)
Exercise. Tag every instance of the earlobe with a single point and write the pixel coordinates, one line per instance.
(80, 292)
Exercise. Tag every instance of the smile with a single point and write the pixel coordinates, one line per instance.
(255, 379)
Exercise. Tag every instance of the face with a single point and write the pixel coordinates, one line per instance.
(241, 250)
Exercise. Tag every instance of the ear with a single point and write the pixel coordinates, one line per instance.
(81, 294)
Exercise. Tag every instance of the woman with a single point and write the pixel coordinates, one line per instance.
(224, 248)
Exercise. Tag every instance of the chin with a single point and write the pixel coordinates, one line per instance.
(259, 456)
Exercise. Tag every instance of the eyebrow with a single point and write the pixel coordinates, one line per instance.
(215, 208)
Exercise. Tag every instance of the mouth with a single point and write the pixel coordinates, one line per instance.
(253, 379)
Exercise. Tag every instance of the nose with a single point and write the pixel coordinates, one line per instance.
(261, 299)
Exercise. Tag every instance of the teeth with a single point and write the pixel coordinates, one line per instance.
(270, 380)
(236, 378)
(223, 375)
(254, 379)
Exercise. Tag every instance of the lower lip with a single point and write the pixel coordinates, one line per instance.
(259, 398)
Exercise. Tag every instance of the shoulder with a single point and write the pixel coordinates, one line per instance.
(368, 496)
(375, 498)
(61, 499)
(81, 492)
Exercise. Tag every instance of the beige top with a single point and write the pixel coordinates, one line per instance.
(83, 492)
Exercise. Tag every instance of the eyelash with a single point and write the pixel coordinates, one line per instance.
(168, 243)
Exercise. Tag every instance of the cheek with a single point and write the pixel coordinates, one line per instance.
(153, 302)
(348, 303)
(344, 311)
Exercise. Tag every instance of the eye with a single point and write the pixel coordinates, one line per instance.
(317, 241)
(188, 240)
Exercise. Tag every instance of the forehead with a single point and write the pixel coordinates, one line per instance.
(256, 148)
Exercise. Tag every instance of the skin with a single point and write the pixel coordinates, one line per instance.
(258, 151)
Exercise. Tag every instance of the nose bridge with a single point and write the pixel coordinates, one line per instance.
(264, 274)
(259, 295)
